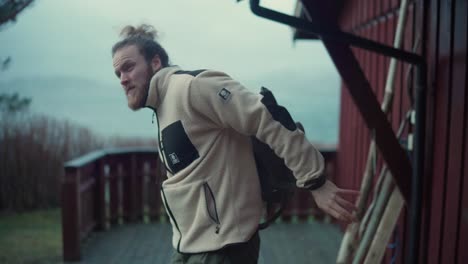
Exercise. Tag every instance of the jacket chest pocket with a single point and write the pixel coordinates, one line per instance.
(178, 149)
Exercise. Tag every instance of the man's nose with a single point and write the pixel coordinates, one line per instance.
(123, 79)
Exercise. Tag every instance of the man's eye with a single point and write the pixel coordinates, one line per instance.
(128, 68)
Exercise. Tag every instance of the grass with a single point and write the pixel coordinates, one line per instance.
(32, 237)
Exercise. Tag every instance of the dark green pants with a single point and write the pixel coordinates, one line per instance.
(244, 253)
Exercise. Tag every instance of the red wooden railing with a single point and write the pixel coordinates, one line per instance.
(106, 187)
(114, 186)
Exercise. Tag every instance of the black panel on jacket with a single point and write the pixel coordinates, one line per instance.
(278, 112)
(193, 73)
(178, 149)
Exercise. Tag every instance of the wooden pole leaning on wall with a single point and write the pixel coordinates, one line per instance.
(375, 219)
(385, 228)
(349, 241)
(365, 220)
(350, 237)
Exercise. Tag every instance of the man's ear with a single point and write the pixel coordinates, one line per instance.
(156, 64)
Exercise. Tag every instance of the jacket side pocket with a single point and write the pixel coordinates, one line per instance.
(211, 206)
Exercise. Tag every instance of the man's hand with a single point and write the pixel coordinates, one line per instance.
(329, 199)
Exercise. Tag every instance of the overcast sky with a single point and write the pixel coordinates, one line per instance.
(67, 44)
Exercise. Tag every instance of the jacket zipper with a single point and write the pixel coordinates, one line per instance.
(173, 218)
(215, 217)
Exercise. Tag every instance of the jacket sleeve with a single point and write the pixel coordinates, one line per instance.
(229, 105)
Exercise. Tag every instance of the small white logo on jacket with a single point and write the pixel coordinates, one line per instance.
(224, 94)
(174, 158)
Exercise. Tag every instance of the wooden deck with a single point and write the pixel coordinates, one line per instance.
(311, 242)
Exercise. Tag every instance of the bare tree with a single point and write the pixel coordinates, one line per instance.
(13, 103)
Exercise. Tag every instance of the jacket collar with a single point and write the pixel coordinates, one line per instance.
(158, 86)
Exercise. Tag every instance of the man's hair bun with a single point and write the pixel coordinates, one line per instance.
(143, 37)
(144, 30)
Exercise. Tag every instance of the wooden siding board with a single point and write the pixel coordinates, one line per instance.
(378, 8)
(352, 12)
(348, 174)
(448, 246)
(365, 11)
(340, 150)
(420, 26)
(340, 136)
(345, 145)
(359, 124)
(358, 11)
(440, 137)
(350, 136)
(359, 143)
(365, 130)
(355, 124)
(351, 150)
(351, 154)
(381, 74)
(385, 5)
(454, 166)
(463, 222)
(364, 62)
(430, 251)
(362, 12)
(354, 136)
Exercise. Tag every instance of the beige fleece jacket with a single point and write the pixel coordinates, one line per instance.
(212, 193)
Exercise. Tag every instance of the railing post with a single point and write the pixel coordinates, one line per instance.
(157, 174)
(100, 196)
(304, 204)
(132, 189)
(71, 218)
(288, 211)
(125, 175)
(130, 214)
(139, 175)
(114, 193)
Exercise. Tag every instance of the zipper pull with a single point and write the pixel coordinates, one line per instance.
(217, 229)
(152, 119)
